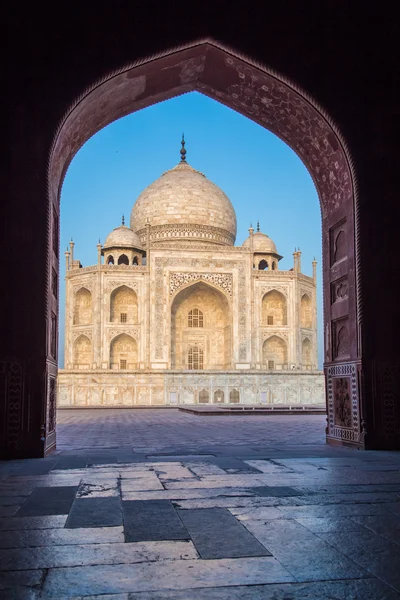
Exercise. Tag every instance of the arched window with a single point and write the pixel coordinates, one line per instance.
(305, 311)
(195, 358)
(123, 352)
(110, 260)
(195, 318)
(263, 265)
(123, 260)
(82, 351)
(123, 305)
(274, 266)
(275, 353)
(218, 396)
(83, 307)
(234, 396)
(204, 397)
(274, 309)
(135, 261)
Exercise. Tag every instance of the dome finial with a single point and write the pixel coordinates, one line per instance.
(123, 220)
(258, 225)
(183, 149)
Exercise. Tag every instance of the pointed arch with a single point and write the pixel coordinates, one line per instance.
(83, 307)
(123, 260)
(82, 351)
(203, 311)
(123, 352)
(123, 305)
(274, 353)
(274, 308)
(263, 265)
(110, 260)
(305, 311)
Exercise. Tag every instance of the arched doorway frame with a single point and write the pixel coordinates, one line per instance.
(215, 288)
(279, 105)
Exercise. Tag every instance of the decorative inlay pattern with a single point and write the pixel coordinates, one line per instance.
(132, 331)
(113, 285)
(164, 233)
(221, 280)
(13, 375)
(343, 411)
(269, 288)
(51, 404)
(86, 332)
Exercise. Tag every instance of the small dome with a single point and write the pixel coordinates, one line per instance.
(184, 205)
(261, 243)
(122, 237)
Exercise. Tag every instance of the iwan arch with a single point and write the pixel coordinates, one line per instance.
(276, 104)
(175, 313)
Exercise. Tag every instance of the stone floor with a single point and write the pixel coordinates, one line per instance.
(199, 508)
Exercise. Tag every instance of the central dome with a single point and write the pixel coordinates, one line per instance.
(183, 205)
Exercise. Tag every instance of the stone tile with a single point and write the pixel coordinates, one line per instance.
(94, 554)
(152, 520)
(48, 501)
(20, 585)
(331, 510)
(328, 524)
(95, 512)
(276, 491)
(185, 494)
(206, 468)
(8, 511)
(365, 589)
(21, 523)
(217, 534)
(386, 525)
(167, 575)
(35, 467)
(377, 555)
(393, 507)
(12, 500)
(259, 513)
(209, 482)
(141, 484)
(92, 490)
(304, 554)
(60, 537)
(234, 465)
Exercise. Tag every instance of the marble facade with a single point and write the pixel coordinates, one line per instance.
(174, 313)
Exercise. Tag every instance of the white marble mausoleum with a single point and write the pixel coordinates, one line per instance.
(174, 313)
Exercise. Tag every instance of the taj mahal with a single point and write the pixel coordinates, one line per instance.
(174, 313)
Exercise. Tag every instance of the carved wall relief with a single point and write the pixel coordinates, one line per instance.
(339, 290)
(338, 242)
(341, 339)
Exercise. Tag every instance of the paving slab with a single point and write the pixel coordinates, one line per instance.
(60, 537)
(274, 491)
(163, 575)
(304, 554)
(48, 501)
(95, 512)
(374, 553)
(94, 554)
(365, 589)
(217, 534)
(152, 520)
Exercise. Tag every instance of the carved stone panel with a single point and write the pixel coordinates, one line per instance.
(343, 402)
(338, 242)
(339, 290)
(341, 338)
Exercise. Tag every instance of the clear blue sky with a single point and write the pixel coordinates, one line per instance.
(262, 176)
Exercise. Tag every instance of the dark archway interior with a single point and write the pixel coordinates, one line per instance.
(360, 349)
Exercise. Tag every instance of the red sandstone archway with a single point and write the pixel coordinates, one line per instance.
(278, 105)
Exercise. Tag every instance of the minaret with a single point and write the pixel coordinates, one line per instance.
(295, 265)
(299, 260)
(67, 255)
(99, 247)
(71, 247)
(314, 269)
(251, 232)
